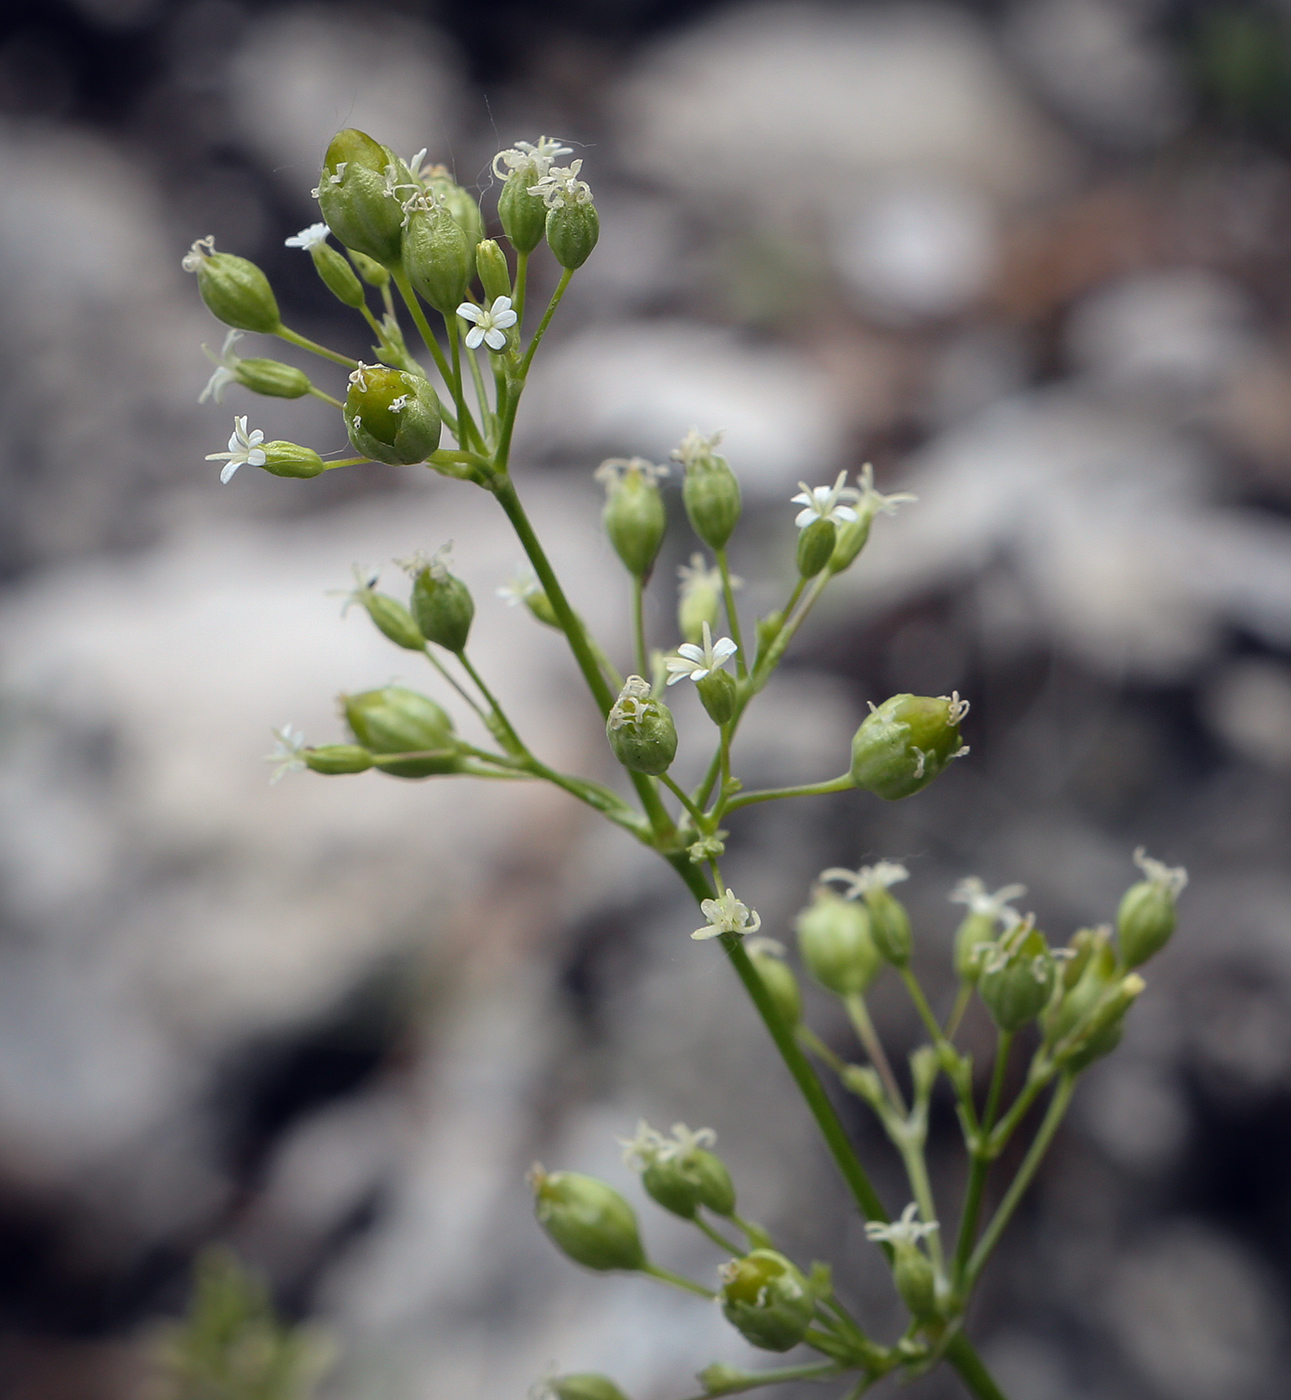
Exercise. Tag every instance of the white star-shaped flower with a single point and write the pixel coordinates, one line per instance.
(561, 186)
(308, 238)
(869, 877)
(244, 450)
(528, 155)
(286, 755)
(903, 1233)
(874, 502)
(365, 580)
(696, 448)
(226, 369)
(1171, 878)
(524, 585)
(972, 892)
(695, 662)
(614, 469)
(826, 503)
(490, 324)
(727, 915)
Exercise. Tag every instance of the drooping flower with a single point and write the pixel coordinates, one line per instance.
(873, 502)
(727, 915)
(286, 755)
(972, 892)
(308, 238)
(695, 662)
(244, 450)
(490, 324)
(226, 373)
(903, 1233)
(879, 876)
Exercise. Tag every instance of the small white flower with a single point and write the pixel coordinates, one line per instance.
(528, 155)
(1171, 878)
(524, 585)
(972, 892)
(561, 186)
(869, 877)
(694, 662)
(695, 449)
(365, 580)
(826, 503)
(614, 469)
(490, 323)
(650, 1145)
(873, 502)
(435, 564)
(286, 754)
(312, 237)
(727, 915)
(226, 369)
(198, 253)
(904, 1233)
(631, 705)
(415, 164)
(244, 450)
(697, 576)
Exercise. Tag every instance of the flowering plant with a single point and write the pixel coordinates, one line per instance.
(410, 231)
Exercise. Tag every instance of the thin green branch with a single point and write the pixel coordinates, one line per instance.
(314, 348)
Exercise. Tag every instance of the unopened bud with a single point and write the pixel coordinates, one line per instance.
(572, 232)
(717, 693)
(915, 1282)
(1146, 917)
(392, 415)
(492, 269)
(889, 926)
(291, 459)
(272, 378)
(439, 257)
(767, 1300)
(835, 943)
(392, 619)
(522, 215)
(1094, 969)
(234, 289)
(583, 1385)
(587, 1220)
(395, 720)
(338, 276)
(767, 956)
(641, 730)
(906, 742)
(358, 201)
(443, 607)
(369, 269)
(815, 545)
(1016, 978)
(634, 515)
(710, 492)
(337, 758)
(700, 600)
(1106, 1026)
(850, 539)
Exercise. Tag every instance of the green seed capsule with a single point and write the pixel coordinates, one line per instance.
(1106, 1027)
(587, 1220)
(718, 695)
(291, 459)
(443, 607)
(439, 257)
(710, 492)
(572, 231)
(234, 289)
(522, 215)
(359, 204)
(1017, 977)
(392, 619)
(641, 730)
(337, 758)
(815, 546)
(397, 721)
(906, 742)
(851, 538)
(777, 977)
(767, 1300)
(1146, 917)
(889, 926)
(1097, 961)
(915, 1282)
(338, 276)
(272, 378)
(634, 516)
(835, 943)
(700, 599)
(391, 415)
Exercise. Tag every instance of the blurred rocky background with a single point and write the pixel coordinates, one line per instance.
(1031, 259)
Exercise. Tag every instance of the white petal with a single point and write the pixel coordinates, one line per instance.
(256, 457)
(227, 474)
(723, 649)
(842, 513)
(473, 337)
(691, 652)
(708, 931)
(469, 313)
(805, 517)
(803, 498)
(504, 318)
(493, 338)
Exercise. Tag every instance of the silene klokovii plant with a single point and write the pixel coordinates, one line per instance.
(405, 236)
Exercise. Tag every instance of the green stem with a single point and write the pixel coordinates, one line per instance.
(460, 689)
(977, 1379)
(962, 998)
(326, 398)
(715, 1235)
(481, 396)
(565, 278)
(858, 1014)
(521, 285)
(314, 348)
(423, 326)
(464, 418)
(1008, 1125)
(508, 733)
(979, 1164)
(677, 1280)
(732, 614)
(700, 820)
(812, 1371)
(1030, 1165)
(813, 1042)
(638, 622)
(747, 799)
(931, 1023)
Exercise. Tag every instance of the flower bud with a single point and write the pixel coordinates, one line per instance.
(717, 694)
(399, 721)
(291, 459)
(906, 742)
(767, 1300)
(1106, 1026)
(443, 607)
(392, 415)
(492, 268)
(572, 231)
(700, 600)
(522, 215)
(359, 204)
(461, 204)
(719, 1378)
(971, 937)
(583, 1385)
(272, 378)
(915, 1282)
(392, 619)
(767, 956)
(641, 729)
(587, 1220)
(634, 515)
(439, 257)
(234, 289)
(1084, 980)
(1146, 917)
(835, 944)
(851, 538)
(337, 758)
(338, 276)
(889, 925)
(710, 492)
(683, 1183)
(1017, 976)
(369, 269)
(815, 545)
